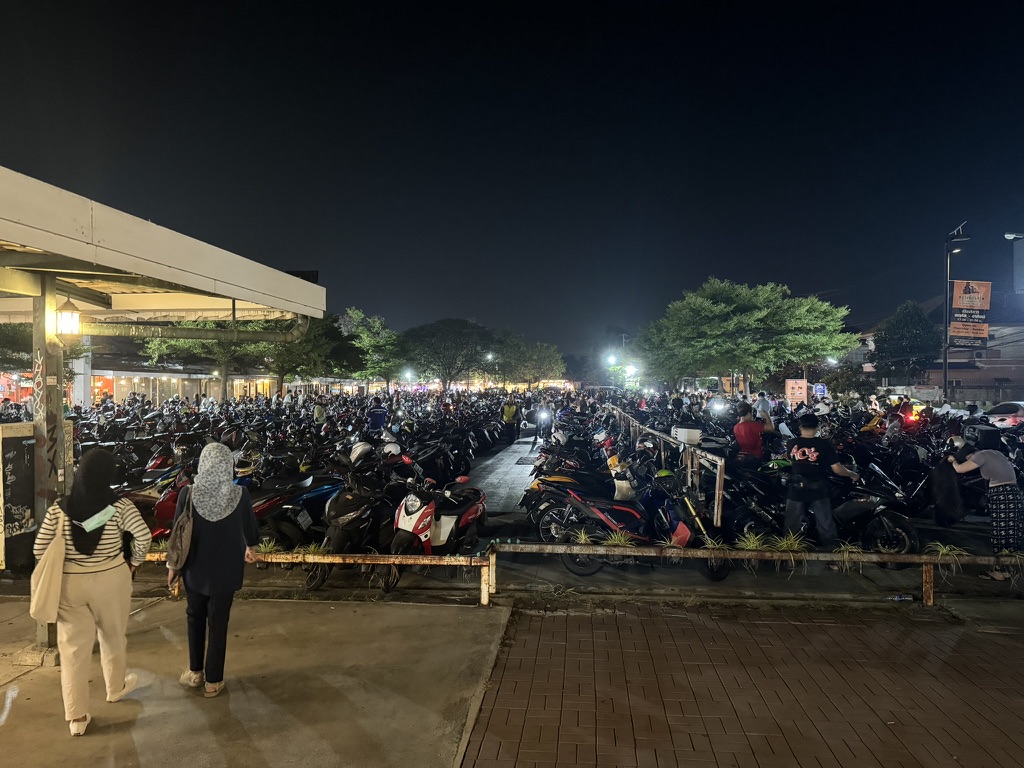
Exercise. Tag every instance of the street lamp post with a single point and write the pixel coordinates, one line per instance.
(956, 236)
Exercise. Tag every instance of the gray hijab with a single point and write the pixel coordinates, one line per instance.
(214, 494)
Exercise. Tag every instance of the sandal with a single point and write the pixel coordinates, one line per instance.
(994, 576)
(78, 726)
(212, 689)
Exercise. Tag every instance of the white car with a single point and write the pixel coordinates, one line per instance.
(1006, 415)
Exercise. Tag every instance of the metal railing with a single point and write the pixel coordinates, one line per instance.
(483, 563)
(488, 563)
(692, 460)
(926, 562)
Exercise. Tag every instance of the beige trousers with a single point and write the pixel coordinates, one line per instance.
(91, 602)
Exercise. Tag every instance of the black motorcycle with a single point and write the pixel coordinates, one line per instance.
(359, 519)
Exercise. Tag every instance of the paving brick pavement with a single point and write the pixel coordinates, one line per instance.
(758, 687)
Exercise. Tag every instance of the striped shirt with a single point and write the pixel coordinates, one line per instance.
(110, 549)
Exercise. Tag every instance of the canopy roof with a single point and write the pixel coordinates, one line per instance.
(119, 267)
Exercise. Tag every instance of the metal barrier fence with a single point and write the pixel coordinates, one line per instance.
(692, 459)
(488, 564)
(483, 563)
(927, 562)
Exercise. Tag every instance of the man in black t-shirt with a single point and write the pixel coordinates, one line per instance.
(813, 458)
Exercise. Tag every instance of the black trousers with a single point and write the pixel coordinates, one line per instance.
(208, 612)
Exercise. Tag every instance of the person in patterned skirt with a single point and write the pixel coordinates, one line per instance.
(1005, 504)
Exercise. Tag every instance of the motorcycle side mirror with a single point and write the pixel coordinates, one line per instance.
(430, 482)
(462, 479)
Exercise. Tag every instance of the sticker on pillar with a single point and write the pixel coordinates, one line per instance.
(51, 381)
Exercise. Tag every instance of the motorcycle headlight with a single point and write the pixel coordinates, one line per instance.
(413, 504)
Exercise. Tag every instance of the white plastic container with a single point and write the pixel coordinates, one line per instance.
(686, 436)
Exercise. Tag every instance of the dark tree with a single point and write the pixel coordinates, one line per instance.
(448, 349)
(907, 343)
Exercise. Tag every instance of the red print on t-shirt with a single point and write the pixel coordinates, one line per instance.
(804, 454)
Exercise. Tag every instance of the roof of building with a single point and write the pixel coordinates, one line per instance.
(117, 266)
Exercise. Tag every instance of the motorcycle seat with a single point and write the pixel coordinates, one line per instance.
(459, 501)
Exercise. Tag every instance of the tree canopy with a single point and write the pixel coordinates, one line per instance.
(323, 350)
(724, 327)
(906, 343)
(380, 346)
(448, 349)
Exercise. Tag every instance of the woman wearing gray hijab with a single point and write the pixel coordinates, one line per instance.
(223, 535)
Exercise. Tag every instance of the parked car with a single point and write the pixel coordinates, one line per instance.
(1007, 414)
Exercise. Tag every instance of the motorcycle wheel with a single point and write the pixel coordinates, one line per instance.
(714, 571)
(389, 575)
(317, 574)
(551, 525)
(899, 537)
(582, 565)
(748, 522)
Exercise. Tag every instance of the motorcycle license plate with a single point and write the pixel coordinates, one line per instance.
(304, 519)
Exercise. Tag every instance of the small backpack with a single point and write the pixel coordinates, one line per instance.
(180, 540)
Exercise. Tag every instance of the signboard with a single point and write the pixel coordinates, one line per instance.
(968, 325)
(796, 391)
(820, 391)
(17, 483)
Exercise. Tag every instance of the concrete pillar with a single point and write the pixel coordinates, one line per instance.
(47, 380)
(82, 386)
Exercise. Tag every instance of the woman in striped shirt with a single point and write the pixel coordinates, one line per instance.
(96, 590)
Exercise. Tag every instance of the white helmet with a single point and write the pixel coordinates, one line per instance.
(359, 451)
(391, 449)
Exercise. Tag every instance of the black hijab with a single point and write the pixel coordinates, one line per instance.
(90, 493)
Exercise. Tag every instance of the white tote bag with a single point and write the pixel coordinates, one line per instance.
(47, 578)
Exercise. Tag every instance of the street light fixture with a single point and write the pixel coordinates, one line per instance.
(956, 236)
(611, 359)
(1013, 236)
(630, 370)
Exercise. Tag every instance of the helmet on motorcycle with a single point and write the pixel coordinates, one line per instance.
(955, 443)
(391, 449)
(360, 451)
(664, 473)
(646, 443)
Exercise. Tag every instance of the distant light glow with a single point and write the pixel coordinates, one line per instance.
(611, 359)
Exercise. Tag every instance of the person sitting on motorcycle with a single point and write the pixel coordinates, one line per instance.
(906, 408)
(812, 458)
(543, 416)
(376, 417)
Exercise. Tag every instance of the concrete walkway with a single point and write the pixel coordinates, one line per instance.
(308, 683)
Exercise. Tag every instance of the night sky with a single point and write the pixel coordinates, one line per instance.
(553, 168)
